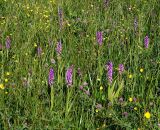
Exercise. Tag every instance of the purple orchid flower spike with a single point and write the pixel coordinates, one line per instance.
(81, 87)
(8, 42)
(121, 69)
(60, 14)
(51, 77)
(59, 48)
(39, 51)
(109, 67)
(146, 41)
(99, 36)
(69, 76)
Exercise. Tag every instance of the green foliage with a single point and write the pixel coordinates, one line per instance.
(26, 100)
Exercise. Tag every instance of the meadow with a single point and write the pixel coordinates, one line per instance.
(80, 64)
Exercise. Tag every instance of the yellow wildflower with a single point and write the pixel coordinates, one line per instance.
(6, 80)
(141, 70)
(96, 110)
(130, 99)
(98, 79)
(1, 86)
(147, 115)
(110, 114)
(130, 76)
(7, 73)
(35, 45)
(135, 108)
(27, 7)
(69, 24)
(43, 82)
(6, 92)
(101, 88)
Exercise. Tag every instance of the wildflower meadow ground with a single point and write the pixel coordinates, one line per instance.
(80, 64)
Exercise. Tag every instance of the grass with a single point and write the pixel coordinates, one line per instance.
(27, 102)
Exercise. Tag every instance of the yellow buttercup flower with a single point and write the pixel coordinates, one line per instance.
(35, 45)
(147, 115)
(27, 7)
(7, 73)
(69, 24)
(101, 88)
(6, 80)
(1, 86)
(130, 99)
(141, 70)
(135, 108)
(130, 76)
(96, 110)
